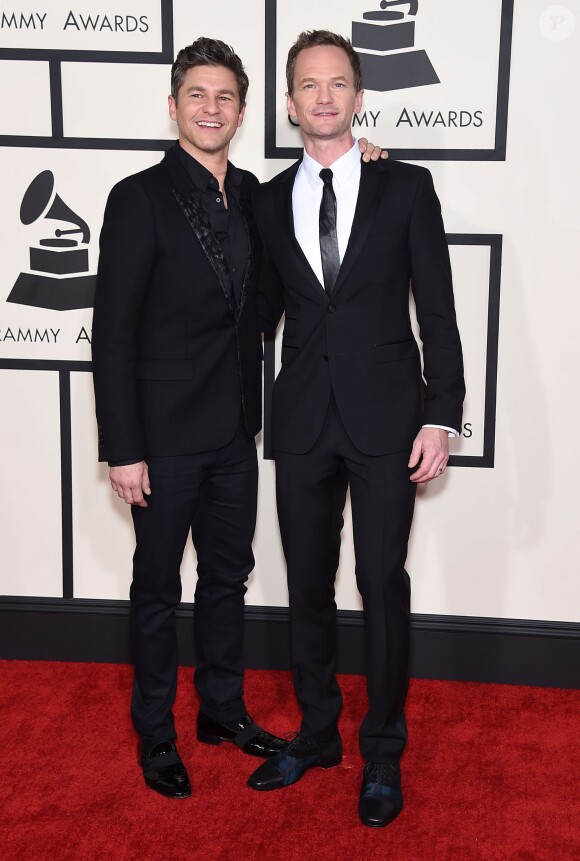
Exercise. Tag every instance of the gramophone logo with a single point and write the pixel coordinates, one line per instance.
(395, 63)
(59, 264)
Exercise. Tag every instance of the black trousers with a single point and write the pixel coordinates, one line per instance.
(213, 494)
(311, 490)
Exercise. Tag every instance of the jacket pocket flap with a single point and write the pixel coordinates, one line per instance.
(290, 329)
(152, 369)
(396, 352)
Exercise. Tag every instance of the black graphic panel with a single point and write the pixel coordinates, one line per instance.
(53, 209)
(59, 264)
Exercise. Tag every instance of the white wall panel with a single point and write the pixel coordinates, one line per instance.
(500, 542)
(103, 531)
(131, 103)
(103, 528)
(30, 484)
(16, 117)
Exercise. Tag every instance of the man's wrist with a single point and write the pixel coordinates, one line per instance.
(451, 432)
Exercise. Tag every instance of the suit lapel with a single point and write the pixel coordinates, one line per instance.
(285, 187)
(373, 181)
(251, 234)
(199, 221)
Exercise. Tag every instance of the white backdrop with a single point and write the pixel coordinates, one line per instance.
(497, 541)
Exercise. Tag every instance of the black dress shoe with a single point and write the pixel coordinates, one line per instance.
(244, 733)
(298, 756)
(381, 798)
(164, 771)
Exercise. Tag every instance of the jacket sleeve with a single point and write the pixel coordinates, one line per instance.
(269, 289)
(127, 247)
(269, 296)
(432, 289)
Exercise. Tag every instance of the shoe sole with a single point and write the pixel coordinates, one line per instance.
(377, 824)
(371, 824)
(329, 763)
(216, 740)
(168, 794)
(205, 738)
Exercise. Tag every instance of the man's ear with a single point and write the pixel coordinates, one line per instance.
(290, 105)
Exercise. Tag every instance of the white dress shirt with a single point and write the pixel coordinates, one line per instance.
(307, 196)
(306, 200)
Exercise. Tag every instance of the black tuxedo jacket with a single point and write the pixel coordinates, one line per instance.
(358, 343)
(173, 357)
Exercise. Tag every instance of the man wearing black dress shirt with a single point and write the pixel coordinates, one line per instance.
(177, 370)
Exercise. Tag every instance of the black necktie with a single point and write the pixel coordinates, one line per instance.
(327, 229)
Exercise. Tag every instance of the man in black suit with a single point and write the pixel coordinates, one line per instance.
(350, 405)
(177, 359)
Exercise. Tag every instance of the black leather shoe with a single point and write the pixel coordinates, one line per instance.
(298, 756)
(164, 771)
(381, 798)
(246, 734)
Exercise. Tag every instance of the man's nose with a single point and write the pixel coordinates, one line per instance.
(324, 95)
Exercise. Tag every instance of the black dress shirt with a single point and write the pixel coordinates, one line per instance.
(228, 223)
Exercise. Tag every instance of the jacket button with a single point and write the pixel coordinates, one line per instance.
(331, 308)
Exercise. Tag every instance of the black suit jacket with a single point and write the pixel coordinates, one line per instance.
(173, 357)
(359, 342)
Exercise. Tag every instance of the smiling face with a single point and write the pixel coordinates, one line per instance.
(207, 110)
(324, 97)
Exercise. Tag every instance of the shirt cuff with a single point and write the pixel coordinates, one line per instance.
(451, 431)
(124, 462)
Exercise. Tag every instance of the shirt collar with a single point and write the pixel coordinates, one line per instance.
(201, 177)
(342, 168)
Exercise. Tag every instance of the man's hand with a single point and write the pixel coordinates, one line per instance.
(131, 482)
(370, 152)
(431, 447)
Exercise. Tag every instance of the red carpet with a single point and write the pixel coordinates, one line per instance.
(491, 772)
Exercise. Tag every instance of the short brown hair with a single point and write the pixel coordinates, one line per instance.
(208, 52)
(314, 38)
